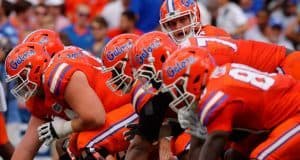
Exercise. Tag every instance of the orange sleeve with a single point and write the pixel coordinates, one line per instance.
(223, 120)
(263, 56)
(291, 64)
(216, 111)
(58, 78)
(140, 97)
(3, 133)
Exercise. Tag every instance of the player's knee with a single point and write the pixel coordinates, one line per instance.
(234, 154)
(184, 155)
(139, 149)
(61, 145)
(94, 154)
(65, 156)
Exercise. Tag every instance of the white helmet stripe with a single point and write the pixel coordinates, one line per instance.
(171, 6)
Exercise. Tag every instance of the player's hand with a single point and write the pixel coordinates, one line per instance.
(133, 129)
(55, 129)
(165, 152)
(187, 118)
(198, 130)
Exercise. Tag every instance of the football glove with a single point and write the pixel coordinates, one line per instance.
(133, 129)
(189, 120)
(58, 128)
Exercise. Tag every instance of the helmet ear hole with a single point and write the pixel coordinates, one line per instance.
(163, 58)
(37, 69)
(31, 46)
(197, 79)
(193, 52)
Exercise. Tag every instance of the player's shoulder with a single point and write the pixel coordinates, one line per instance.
(141, 95)
(210, 30)
(57, 76)
(220, 74)
(211, 102)
(226, 78)
(78, 55)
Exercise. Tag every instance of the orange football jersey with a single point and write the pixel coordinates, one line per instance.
(3, 134)
(140, 96)
(209, 30)
(263, 56)
(55, 79)
(83, 55)
(238, 96)
(37, 107)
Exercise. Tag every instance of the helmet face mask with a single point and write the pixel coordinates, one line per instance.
(182, 98)
(22, 88)
(148, 76)
(120, 81)
(115, 60)
(185, 75)
(147, 73)
(25, 66)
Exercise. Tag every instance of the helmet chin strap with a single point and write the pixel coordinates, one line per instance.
(198, 28)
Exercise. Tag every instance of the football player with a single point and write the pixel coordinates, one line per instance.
(180, 19)
(53, 44)
(116, 58)
(6, 148)
(146, 61)
(64, 87)
(235, 97)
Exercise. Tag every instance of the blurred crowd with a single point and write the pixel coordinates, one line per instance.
(90, 24)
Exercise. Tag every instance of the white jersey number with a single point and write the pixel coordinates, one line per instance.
(202, 42)
(254, 77)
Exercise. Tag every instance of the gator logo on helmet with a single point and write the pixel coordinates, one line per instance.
(187, 3)
(140, 58)
(111, 55)
(75, 55)
(20, 59)
(43, 40)
(179, 66)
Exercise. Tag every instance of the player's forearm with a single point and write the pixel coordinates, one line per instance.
(139, 149)
(213, 146)
(30, 143)
(196, 145)
(22, 154)
(27, 149)
(79, 124)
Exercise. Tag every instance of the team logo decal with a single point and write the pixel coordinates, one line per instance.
(111, 55)
(43, 40)
(187, 3)
(146, 51)
(74, 55)
(179, 66)
(20, 59)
